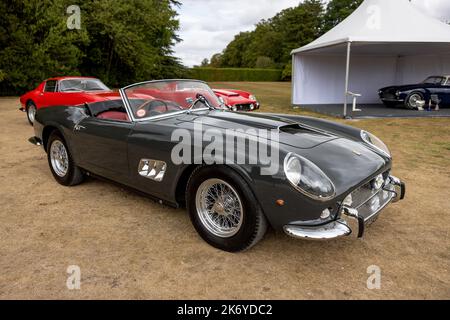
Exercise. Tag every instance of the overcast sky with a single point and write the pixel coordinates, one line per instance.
(207, 26)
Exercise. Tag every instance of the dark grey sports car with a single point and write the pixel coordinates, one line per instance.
(236, 173)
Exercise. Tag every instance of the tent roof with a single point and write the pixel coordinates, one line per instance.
(384, 22)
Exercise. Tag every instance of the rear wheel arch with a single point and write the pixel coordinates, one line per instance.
(46, 133)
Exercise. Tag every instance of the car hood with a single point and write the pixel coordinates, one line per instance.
(226, 93)
(347, 162)
(292, 133)
(407, 87)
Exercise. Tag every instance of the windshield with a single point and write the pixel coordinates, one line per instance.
(157, 98)
(434, 80)
(82, 85)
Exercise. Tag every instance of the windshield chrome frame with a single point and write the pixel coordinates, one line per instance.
(127, 105)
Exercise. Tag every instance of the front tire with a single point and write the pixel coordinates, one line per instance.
(31, 112)
(224, 210)
(411, 101)
(61, 162)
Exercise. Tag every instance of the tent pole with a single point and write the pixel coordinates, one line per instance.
(292, 80)
(347, 74)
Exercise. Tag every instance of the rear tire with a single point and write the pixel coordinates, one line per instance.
(224, 210)
(31, 112)
(61, 162)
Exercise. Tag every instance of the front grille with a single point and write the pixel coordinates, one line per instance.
(388, 96)
(369, 201)
(243, 107)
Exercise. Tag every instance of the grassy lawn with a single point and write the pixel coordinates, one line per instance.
(417, 143)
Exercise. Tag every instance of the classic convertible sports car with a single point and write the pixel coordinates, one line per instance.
(64, 91)
(329, 180)
(435, 89)
(237, 100)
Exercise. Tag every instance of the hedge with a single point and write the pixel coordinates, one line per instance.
(235, 74)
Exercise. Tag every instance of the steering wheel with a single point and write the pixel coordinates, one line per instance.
(148, 108)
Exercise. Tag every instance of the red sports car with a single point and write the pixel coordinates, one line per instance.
(237, 100)
(65, 91)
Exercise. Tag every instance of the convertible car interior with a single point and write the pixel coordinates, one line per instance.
(109, 109)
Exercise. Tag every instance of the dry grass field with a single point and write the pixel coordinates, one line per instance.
(129, 247)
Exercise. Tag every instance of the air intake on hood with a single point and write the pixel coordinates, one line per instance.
(300, 129)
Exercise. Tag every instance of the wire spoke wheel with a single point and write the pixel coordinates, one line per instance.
(59, 158)
(414, 99)
(219, 208)
(31, 111)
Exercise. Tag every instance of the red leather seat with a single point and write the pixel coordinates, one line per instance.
(114, 115)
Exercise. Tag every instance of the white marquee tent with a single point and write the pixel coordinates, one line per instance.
(382, 43)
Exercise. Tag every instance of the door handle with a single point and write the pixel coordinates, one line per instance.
(78, 127)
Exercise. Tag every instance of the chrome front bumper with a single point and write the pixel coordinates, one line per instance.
(353, 221)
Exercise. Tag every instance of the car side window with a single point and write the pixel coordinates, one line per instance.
(447, 83)
(50, 86)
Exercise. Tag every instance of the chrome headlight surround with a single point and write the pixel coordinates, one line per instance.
(307, 178)
(252, 97)
(375, 143)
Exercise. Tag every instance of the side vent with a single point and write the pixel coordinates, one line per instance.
(152, 169)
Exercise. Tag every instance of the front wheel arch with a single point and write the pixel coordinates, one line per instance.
(254, 223)
(420, 93)
(180, 188)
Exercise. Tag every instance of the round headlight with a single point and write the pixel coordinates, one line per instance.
(252, 97)
(307, 178)
(234, 108)
(375, 142)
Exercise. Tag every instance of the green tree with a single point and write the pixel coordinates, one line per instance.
(120, 41)
(233, 54)
(205, 63)
(277, 37)
(264, 63)
(133, 40)
(337, 11)
(216, 60)
(35, 43)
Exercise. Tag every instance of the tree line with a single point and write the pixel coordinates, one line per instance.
(270, 44)
(119, 41)
(126, 41)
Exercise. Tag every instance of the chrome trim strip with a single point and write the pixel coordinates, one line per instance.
(127, 105)
(157, 81)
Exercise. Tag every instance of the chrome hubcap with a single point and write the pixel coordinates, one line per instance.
(414, 99)
(219, 208)
(59, 158)
(31, 113)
